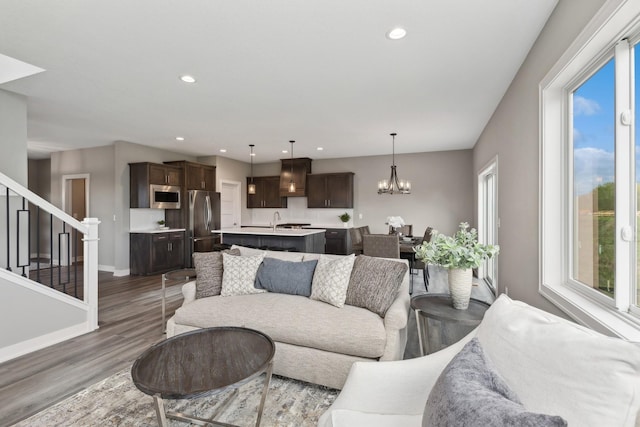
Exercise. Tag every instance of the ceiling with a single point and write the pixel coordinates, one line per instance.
(318, 72)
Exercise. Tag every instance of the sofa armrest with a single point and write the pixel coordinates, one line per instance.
(397, 315)
(189, 292)
(393, 387)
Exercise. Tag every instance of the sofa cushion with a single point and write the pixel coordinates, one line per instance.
(239, 274)
(558, 367)
(286, 256)
(209, 272)
(469, 392)
(331, 279)
(286, 277)
(374, 283)
(293, 319)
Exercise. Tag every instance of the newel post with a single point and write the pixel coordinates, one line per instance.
(91, 270)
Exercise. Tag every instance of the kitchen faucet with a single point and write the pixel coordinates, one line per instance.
(276, 217)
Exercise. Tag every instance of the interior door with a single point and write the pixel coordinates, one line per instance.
(230, 202)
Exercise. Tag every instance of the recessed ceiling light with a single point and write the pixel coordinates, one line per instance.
(188, 79)
(319, 148)
(179, 138)
(396, 33)
(223, 150)
(285, 151)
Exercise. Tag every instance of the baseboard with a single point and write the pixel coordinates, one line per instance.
(43, 341)
(120, 273)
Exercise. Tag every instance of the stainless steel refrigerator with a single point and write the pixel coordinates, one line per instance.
(203, 216)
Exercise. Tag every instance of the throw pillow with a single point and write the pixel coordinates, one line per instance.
(286, 277)
(208, 267)
(240, 274)
(374, 283)
(331, 279)
(469, 392)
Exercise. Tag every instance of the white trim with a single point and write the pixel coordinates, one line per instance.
(615, 20)
(120, 273)
(43, 341)
(490, 168)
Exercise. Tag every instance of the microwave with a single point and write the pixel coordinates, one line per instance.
(164, 196)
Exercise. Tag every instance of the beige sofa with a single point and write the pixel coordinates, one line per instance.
(315, 341)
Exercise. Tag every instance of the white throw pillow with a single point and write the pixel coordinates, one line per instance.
(239, 274)
(558, 367)
(331, 279)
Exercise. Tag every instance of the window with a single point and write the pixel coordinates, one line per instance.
(589, 204)
(488, 219)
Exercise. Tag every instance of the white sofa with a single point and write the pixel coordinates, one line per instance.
(315, 341)
(554, 366)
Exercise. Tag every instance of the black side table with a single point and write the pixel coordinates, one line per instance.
(440, 325)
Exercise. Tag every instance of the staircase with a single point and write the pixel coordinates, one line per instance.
(48, 293)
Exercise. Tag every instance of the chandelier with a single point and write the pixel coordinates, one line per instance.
(251, 188)
(393, 184)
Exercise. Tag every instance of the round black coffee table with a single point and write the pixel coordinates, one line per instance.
(203, 362)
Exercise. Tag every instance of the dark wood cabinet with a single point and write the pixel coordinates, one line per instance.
(337, 241)
(267, 193)
(152, 253)
(301, 168)
(143, 175)
(197, 176)
(330, 190)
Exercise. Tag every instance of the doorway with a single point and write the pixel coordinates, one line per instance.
(75, 202)
(230, 201)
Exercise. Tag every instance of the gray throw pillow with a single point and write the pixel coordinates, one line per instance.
(374, 283)
(471, 393)
(209, 271)
(286, 277)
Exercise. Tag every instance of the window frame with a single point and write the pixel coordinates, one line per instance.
(589, 51)
(490, 169)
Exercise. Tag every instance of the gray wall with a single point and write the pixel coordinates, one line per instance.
(98, 162)
(513, 135)
(441, 196)
(13, 136)
(40, 183)
(35, 313)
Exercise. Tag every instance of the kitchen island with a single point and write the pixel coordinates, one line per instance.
(299, 240)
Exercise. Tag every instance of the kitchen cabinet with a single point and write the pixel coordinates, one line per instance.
(330, 190)
(337, 241)
(152, 253)
(267, 193)
(301, 168)
(143, 175)
(197, 176)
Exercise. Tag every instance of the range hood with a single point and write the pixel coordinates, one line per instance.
(301, 167)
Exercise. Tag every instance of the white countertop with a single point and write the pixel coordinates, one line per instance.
(157, 230)
(269, 231)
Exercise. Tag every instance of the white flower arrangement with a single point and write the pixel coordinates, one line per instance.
(395, 221)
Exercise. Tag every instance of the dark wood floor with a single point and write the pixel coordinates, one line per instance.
(129, 319)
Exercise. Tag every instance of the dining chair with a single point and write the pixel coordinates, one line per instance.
(381, 245)
(356, 240)
(419, 264)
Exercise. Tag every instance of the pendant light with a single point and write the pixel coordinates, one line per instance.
(251, 188)
(292, 185)
(394, 185)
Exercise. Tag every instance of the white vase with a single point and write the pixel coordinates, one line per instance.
(460, 287)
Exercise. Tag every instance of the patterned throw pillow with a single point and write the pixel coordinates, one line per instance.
(240, 274)
(331, 279)
(209, 272)
(374, 283)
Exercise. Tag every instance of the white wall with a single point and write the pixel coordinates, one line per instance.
(13, 136)
(513, 135)
(441, 196)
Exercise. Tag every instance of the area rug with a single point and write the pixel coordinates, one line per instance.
(116, 401)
